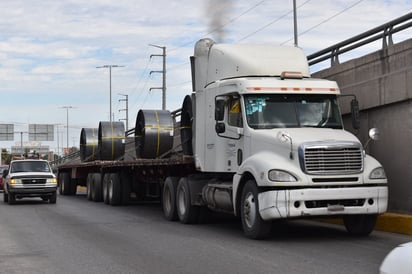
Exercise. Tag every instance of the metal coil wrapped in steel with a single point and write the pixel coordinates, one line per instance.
(88, 144)
(153, 133)
(186, 126)
(111, 140)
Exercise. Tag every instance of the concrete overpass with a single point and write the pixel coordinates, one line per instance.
(382, 83)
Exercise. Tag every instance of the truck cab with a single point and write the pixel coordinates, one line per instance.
(260, 117)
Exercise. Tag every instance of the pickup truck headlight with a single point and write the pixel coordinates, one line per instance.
(377, 173)
(51, 181)
(277, 175)
(15, 181)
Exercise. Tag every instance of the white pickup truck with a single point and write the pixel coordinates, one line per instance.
(29, 178)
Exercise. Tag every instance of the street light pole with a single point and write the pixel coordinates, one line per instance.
(163, 71)
(110, 86)
(67, 124)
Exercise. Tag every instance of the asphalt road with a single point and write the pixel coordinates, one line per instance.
(78, 236)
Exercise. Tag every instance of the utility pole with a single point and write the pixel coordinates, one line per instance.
(163, 88)
(125, 109)
(67, 124)
(110, 85)
(295, 24)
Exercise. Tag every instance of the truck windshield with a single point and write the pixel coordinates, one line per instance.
(292, 110)
(30, 166)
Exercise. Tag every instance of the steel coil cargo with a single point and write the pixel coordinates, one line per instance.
(153, 133)
(111, 140)
(88, 144)
(186, 122)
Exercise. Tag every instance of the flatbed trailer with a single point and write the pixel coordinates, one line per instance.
(120, 180)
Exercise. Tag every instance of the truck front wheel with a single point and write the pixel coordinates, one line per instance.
(188, 213)
(253, 225)
(360, 225)
(169, 198)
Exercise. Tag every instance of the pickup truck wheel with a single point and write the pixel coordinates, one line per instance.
(360, 225)
(5, 197)
(97, 195)
(12, 199)
(188, 213)
(53, 198)
(254, 226)
(106, 179)
(115, 194)
(169, 198)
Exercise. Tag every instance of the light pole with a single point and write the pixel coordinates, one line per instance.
(163, 71)
(67, 124)
(110, 85)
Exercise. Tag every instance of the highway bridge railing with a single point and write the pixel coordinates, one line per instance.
(383, 32)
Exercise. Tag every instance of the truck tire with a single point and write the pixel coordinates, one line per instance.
(89, 186)
(53, 198)
(64, 183)
(114, 193)
(73, 187)
(97, 195)
(188, 213)
(5, 197)
(126, 183)
(254, 226)
(12, 199)
(360, 225)
(106, 179)
(169, 198)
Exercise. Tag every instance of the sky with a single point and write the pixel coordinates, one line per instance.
(50, 51)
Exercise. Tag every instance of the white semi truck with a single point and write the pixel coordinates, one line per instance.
(259, 138)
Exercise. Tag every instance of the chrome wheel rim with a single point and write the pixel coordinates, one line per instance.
(249, 210)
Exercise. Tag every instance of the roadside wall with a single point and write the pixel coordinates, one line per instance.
(382, 83)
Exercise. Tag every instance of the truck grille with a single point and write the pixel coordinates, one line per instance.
(331, 158)
(34, 181)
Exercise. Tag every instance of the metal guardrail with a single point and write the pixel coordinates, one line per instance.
(384, 32)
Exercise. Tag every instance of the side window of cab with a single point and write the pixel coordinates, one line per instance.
(234, 112)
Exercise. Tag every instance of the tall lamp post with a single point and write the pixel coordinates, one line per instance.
(67, 124)
(110, 85)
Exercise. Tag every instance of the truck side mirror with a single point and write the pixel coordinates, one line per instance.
(219, 109)
(354, 109)
(220, 127)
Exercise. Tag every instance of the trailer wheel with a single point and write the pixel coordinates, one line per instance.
(115, 194)
(89, 184)
(254, 226)
(64, 183)
(106, 180)
(96, 187)
(169, 198)
(360, 225)
(188, 213)
(126, 183)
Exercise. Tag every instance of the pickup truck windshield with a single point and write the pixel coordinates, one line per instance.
(292, 110)
(29, 166)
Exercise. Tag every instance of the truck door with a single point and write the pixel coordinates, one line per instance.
(230, 131)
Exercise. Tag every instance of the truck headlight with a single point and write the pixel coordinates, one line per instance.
(277, 175)
(51, 181)
(15, 181)
(377, 173)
